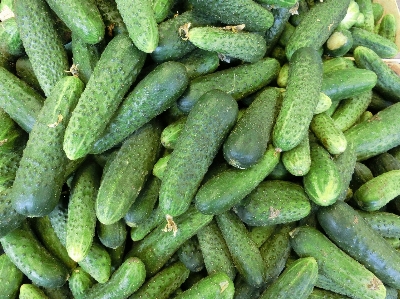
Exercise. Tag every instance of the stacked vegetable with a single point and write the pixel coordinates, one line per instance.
(199, 149)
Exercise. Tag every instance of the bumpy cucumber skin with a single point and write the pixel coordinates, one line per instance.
(322, 183)
(227, 188)
(40, 176)
(298, 103)
(248, 140)
(260, 234)
(254, 16)
(281, 16)
(317, 25)
(116, 70)
(41, 41)
(339, 43)
(140, 21)
(387, 27)
(10, 277)
(297, 160)
(280, 201)
(112, 235)
(386, 223)
(10, 41)
(377, 135)
(150, 97)
(79, 282)
(365, 7)
(25, 251)
(157, 247)
(235, 81)
(9, 163)
(81, 220)
(139, 152)
(190, 254)
(205, 130)
(244, 252)
(215, 252)
(216, 286)
(388, 82)
(325, 294)
(31, 291)
(171, 132)
(353, 278)
(164, 283)
(162, 8)
(353, 235)
(383, 163)
(337, 63)
(200, 62)
(82, 17)
(19, 100)
(246, 46)
(123, 283)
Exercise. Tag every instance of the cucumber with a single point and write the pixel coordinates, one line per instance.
(351, 16)
(377, 10)
(26, 252)
(324, 294)
(349, 231)
(281, 15)
(151, 96)
(366, 10)
(361, 175)
(10, 40)
(283, 76)
(36, 25)
(205, 129)
(324, 103)
(249, 138)
(162, 9)
(383, 163)
(12, 137)
(124, 282)
(21, 102)
(200, 62)
(244, 252)
(282, 201)
(164, 283)
(140, 21)
(82, 17)
(382, 46)
(386, 223)
(9, 218)
(215, 251)
(81, 220)
(387, 27)
(339, 43)
(346, 83)
(24, 70)
(345, 163)
(143, 229)
(111, 17)
(228, 187)
(254, 16)
(260, 234)
(298, 103)
(322, 183)
(286, 34)
(164, 243)
(297, 280)
(190, 255)
(388, 82)
(337, 63)
(248, 46)
(112, 235)
(10, 277)
(352, 278)
(378, 103)
(171, 132)
(297, 161)
(235, 81)
(117, 256)
(40, 176)
(317, 25)
(79, 282)
(377, 135)
(115, 71)
(31, 291)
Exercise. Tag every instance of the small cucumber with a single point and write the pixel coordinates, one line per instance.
(10, 277)
(162, 9)
(171, 132)
(377, 10)
(324, 103)
(117, 256)
(31, 291)
(190, 255)
(361, 175)
(205, 129)
(339, 43)
(36, 25)
(200, 62)
(298, 103)
(349, 231)
(281, 15)
(112, 235)
(387, 27)
(298, 160)
(79, 282)
(286, 34)
(244, 252)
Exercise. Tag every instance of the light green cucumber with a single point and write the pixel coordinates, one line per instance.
(200, 62)
(297, 160)
(324, 294)
(171, 132)
(324, 103)
(31, 291)
(79, 282)
(377, 10)
(10, 277)
(112, 235)
(336, 63)
(160, 165)
(365, 7)
(351, 16)
(162, 9)
(387, 27)
(283, 75)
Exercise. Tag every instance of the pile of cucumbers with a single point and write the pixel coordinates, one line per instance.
(199, 149)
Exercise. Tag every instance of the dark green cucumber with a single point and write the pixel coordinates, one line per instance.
(248, 140)
(200, 62)
(9, 218)
(139, 151)
(171, 132)
(345, 163)
(79, 282)
(10, 277)
(245, 254)
(365, 7)
(112, 235)
(243, 290)
(228, 187)
(150, 97)
(21, 102)
(235, 81)
(346, 83)
(26, 252)
(40, 176)
(190, 255)
(164, 283)
(24, 70)
(382, 46)
(36, 25)
(298, 103)
(254, 16)
(322, 183)
(82, 17)
(246, 46)
(382, 163)
(377, 135)
(361, 175)
(81, 220)
(124, 282)
(12, 137)
(274, 202)
(387, 27)
(31, 291)
(317, 25)
(260, 234)
(157, 247)
(297, 161)
(115, 71)
(281, 17)
(352, 278)
(10, 40)
(378, 102)
(215, 251)
(388, 82)
(205, 129)
(386, 223)
(297, 280)
(140, 21)
(117, 255)
(349, 231)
